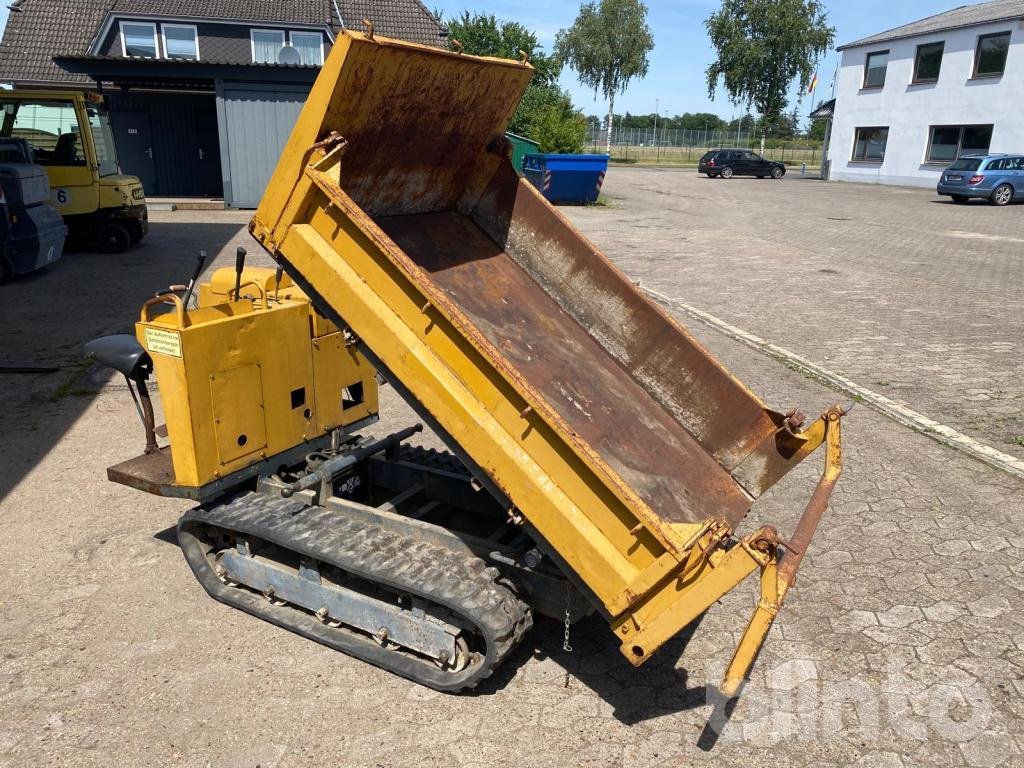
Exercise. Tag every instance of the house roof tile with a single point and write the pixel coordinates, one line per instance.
(964, 16)
(42, 29)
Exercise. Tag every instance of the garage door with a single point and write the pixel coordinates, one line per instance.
(256, 121)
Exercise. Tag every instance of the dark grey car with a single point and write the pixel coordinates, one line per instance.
(726, 163)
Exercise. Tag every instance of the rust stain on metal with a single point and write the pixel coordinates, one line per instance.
(447, 309)
(668, 428)
(595, 396)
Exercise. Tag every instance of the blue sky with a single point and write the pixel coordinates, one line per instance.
(681, 50)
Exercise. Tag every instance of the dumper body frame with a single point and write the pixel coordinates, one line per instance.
(598, 426)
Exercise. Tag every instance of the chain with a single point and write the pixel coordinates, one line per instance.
(568, 618)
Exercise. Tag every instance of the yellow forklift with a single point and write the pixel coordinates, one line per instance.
(69, 133)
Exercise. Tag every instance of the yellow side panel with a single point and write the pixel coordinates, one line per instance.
(260, 284)
(346, 387)
(223, 341)
(237, 399)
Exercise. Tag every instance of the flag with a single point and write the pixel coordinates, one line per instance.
(814, 84)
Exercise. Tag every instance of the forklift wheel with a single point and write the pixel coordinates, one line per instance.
(113, 238)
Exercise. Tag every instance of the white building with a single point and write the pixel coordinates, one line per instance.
(911, 100)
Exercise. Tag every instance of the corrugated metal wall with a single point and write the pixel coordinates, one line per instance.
(255, 123)
(184, 140)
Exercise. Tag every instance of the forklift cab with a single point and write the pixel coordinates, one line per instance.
(69, 133)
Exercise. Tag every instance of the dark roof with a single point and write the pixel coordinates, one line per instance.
(44, 29)
(405, 19)
(47, 28)
(280, 11)
(825, 112)
(964, 16)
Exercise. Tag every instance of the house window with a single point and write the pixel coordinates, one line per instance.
(874, 69)
(139, 39)
(990, 59)
(181, 41)
(948, 142)
(310, 46)
(928, 62)
(869, 144)
(266, 45)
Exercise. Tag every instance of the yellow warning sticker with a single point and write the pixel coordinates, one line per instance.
(162, 342)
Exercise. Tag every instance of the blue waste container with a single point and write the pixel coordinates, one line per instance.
(566, 178)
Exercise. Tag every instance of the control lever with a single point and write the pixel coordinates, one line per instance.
(200, 263)
(277, 281)
(240, 255)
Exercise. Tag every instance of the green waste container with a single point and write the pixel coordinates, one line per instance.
(521, 147)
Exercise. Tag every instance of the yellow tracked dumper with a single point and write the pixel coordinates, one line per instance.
(600, 458)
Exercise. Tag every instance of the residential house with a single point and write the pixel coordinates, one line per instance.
(911, 100)
(202, 94)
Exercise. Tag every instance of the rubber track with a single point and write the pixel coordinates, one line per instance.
(460, 582)
(432, 458)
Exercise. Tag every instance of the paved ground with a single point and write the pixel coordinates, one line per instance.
(903, 643)
(906, 293)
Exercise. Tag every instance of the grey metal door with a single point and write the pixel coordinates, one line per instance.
(256, 121)
(134, 141)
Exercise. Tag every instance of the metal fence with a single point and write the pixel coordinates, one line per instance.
(675, 146)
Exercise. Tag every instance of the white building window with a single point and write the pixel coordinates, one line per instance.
(869, 144)
(928, 62)
(990, 58)
(948, 142)
(874, 69)
(266, 45)
(138, 38)
(310, 46)
(181, 41)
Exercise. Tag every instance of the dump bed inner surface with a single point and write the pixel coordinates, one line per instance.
(404, 145)
(588, 388)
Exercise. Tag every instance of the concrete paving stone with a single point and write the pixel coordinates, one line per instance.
(989, 607)
(990, 750)
(146, 667)
(899, 616)
(952, 547)
(880, 760)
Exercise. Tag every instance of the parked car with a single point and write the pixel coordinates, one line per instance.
(726, 163)
(996, 178)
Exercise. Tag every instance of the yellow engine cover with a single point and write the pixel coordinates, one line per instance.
(244, 381)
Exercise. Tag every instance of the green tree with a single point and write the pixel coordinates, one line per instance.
(557, 127)
(486, 35)
(745, 123)
(817, 128)
(547, 116)
(545, 113)
(698, 121)
(784, 126)
(763, 46)
(607, 46)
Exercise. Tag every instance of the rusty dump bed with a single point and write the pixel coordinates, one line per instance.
(571, 395)
(552, 344)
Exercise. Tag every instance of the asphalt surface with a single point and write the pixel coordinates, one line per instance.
(902, 644)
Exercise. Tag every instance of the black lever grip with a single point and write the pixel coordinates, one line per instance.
(200, 263)
(240, 255)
